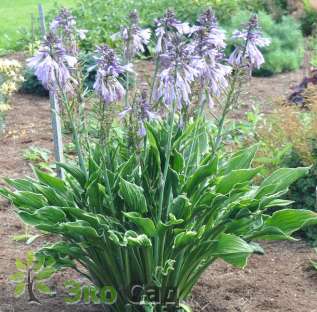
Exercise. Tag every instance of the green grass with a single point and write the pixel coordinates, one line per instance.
(16, 14)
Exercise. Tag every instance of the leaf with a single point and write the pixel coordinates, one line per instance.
(240, 160)
(232, 249)
(45, 274)
(178, 162)
(280, 179)
(17, 277)
(184, 238)
(134, 239)
(181, 207)
(78, 228)
(30, 258)
(291, 220)
(51, 214)
(145, 224)
(30, 218)
(200, 175)
(29, 200)
(44, 289)
(51, 181)
(19, 290)
(278, 203)
(32, 238)
(185, 307)
(227, 182)
(21, 184)
(75, 172)
(20, 265)
(133, 196)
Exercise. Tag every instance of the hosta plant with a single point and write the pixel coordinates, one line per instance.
(151, 204)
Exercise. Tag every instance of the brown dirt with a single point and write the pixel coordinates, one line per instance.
(279, 281)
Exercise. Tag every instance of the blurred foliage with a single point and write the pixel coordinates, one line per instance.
(31, 85)
(287, 138)
(286, 52)
(309, 19)
(103, 18)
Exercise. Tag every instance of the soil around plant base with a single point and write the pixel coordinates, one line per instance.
(282, 280)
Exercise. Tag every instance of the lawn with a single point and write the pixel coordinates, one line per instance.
(17, 13)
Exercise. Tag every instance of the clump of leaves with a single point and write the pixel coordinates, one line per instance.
(36, 154)
(213, 213)
(32, 276)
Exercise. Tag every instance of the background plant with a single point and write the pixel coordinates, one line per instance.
(286, 53)
(10, 77)
(32, 276)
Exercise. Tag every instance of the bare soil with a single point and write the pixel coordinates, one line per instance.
(281, 280)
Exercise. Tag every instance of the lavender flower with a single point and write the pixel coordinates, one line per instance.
(142, 112)
(177, 75)
(107, 85)
(252, 39)
(52, 65)
(64, 25)
(165, 27)
(208, 35)
(208, 43)
(134, 37)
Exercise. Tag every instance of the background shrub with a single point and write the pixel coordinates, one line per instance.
(31, 85)
(286, 51)
(103, 18)
(287, 138)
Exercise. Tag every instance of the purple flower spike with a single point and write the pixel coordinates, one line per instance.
(107, 85)
(165, 27)
(64, 25)
(52, 65)
(208, 43)
(252, 39)
(142, 112)
(177, 75)
(134, 37)
(208, 34)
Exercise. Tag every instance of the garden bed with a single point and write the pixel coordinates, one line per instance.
(280, 281)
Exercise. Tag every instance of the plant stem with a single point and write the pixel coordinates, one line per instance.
(165, 172)
(201, 110)
(157, 62)
(167, 160)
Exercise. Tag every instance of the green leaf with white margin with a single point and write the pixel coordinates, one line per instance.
(134, 239)
(280, 180)
(291, 220)
(146, 224)
(283, 223)
(227, 182)
(51, 181)
(232, 249)
(133, 196)
(29, 200)
(240, 160)
(201, 174)
(185, 238)
(185, 307)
